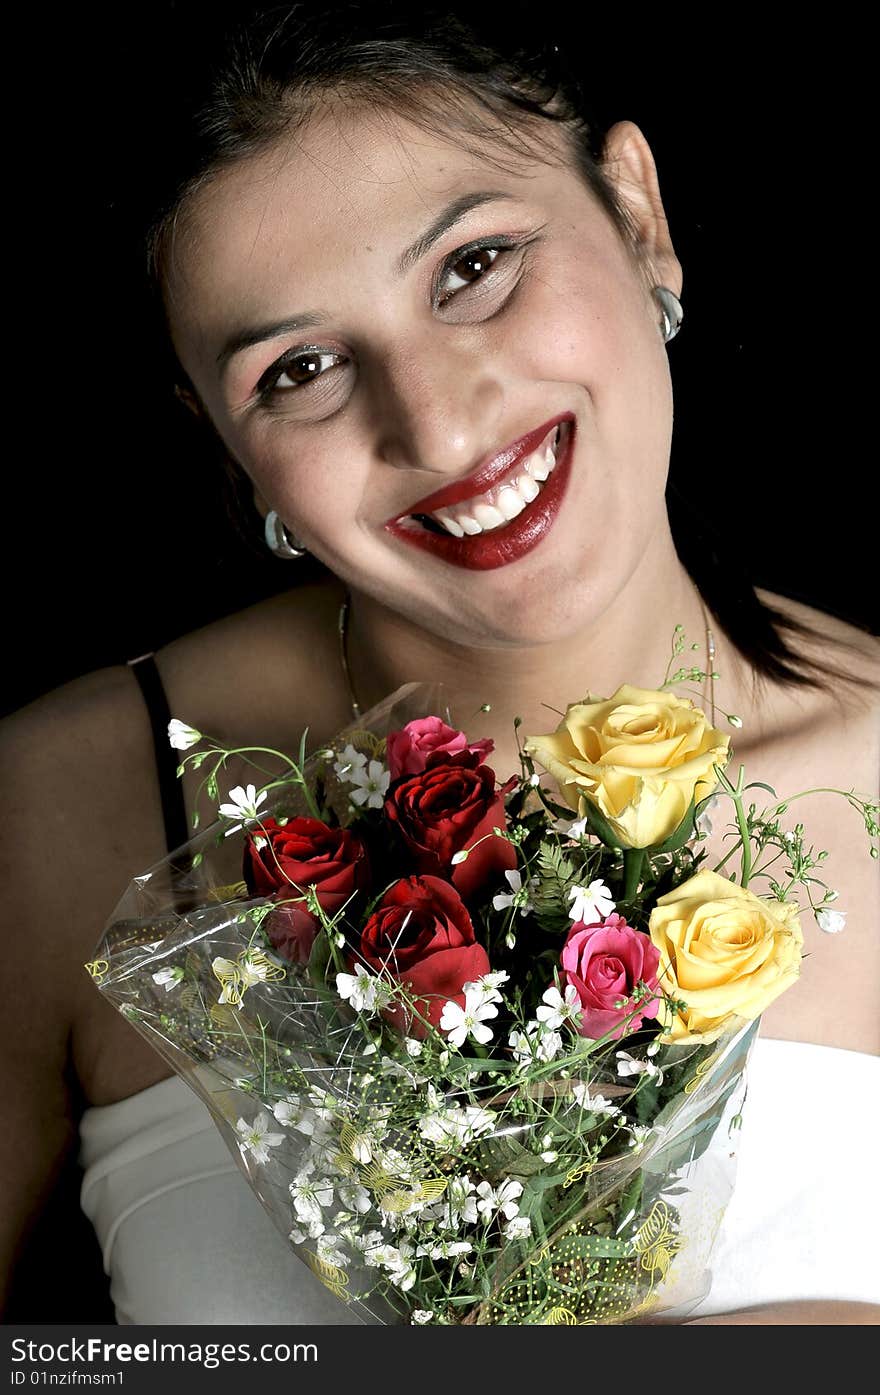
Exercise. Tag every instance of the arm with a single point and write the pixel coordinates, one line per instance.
(81, 815)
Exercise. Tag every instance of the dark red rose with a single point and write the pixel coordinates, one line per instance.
(305, 852)
(446, 808)
(292, 931)
(407, 750)
(421, 935)
(281, 860)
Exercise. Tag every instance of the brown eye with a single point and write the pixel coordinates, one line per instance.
(469, 268)
(301, 371)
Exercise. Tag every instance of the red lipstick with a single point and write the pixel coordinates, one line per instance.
(495, 547)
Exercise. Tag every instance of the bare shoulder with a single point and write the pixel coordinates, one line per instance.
(81, 795)
(263, 672)
(827, 740)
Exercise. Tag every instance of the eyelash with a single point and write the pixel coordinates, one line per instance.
(267, 387)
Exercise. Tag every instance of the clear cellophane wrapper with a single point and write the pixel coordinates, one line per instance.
(370, 1146)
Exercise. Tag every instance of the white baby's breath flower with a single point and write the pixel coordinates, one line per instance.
(311, 1197)
(628, 1065)
(638, 1134)
(294, 1113)
(329, 1249)
(168, 978)
(547, 1045)
(243, 806)
(182, 736)
(445, 1249)
(457, 1206)
(447, 1128)
(361, 989)
(520, 1046)
(487, 986)
(349, 762)
(594, 1103)
(461, 1022)
(414, 1047)
(590, 904)
(370, 785)
(559, 1008)
(503, 1199)
(520, 1228)
(576, 829)
(515, 897)
(420, 1316)
(254, 1138)
(354, 1196)
(832, 922)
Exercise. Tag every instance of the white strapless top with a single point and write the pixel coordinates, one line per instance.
(185, 1240)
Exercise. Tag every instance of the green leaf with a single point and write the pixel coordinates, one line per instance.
(602, 828)
(319, 958)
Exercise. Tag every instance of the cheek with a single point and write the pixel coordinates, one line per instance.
(588, 324)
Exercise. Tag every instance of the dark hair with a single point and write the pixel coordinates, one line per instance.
(250, 74)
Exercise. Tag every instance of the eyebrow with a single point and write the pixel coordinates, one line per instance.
(453, 213)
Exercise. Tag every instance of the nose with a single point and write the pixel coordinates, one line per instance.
(439, 408)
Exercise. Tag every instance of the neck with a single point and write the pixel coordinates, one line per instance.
(630, 642)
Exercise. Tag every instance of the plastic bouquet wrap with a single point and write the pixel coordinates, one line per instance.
(480, 1048)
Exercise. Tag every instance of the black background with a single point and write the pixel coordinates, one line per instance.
(115, 532)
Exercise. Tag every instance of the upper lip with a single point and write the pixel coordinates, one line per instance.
(487, 472)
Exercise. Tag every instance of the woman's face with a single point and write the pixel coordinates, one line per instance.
(418, 371)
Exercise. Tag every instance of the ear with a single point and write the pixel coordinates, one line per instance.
(628, 163)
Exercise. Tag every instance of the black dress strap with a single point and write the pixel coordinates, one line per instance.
(167, 759)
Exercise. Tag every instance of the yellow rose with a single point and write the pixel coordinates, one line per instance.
(726, 952)
(640, 756)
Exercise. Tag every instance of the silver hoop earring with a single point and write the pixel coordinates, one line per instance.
(671, 312)
(279, 541)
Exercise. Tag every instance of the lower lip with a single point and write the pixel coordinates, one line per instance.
(500, 546)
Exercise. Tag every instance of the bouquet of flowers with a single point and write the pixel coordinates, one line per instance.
(479, 1048)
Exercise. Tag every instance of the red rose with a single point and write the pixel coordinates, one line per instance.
(604, 963)
(305, 852)
(446, 808)
(421, 935)
(292, 931)
(283, 859)
(407, 750)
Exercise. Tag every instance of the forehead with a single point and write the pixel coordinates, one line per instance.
(365, 179)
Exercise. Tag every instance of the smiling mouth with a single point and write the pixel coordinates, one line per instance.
(497, 525)
(494, 507)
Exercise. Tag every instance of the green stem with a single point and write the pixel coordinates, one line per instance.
(735, 792)
(633, 861)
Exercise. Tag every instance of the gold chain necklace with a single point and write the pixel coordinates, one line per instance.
(342, 627)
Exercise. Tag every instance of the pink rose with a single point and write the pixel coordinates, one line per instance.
(407, 750)
(605, 963)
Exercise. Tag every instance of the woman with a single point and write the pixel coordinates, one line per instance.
(396, 272)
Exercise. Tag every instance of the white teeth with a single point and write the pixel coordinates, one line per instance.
(511, 502)
(487, 515)
(498, 506)
(445, 517)
(538, 467)
(528, 488)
